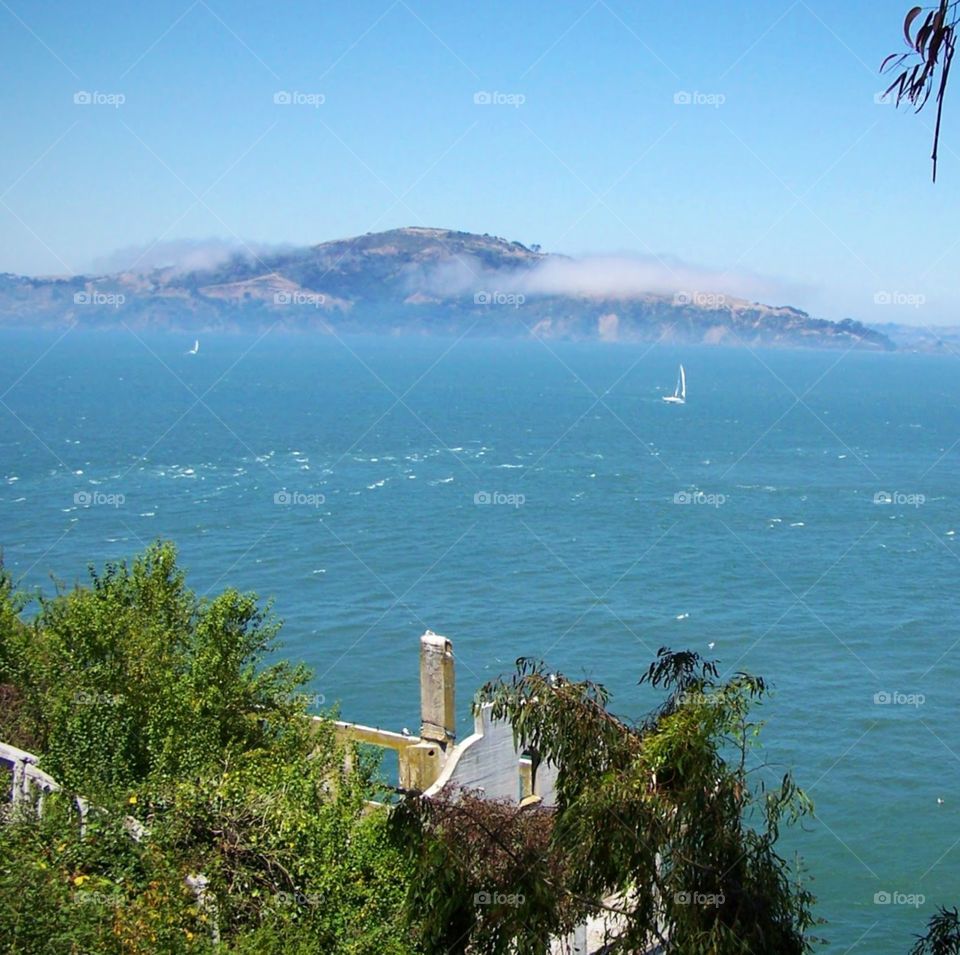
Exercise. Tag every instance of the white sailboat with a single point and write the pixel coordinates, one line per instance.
(196, 347)
(679, 396)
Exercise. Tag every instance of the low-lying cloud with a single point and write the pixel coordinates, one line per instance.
(608, 276)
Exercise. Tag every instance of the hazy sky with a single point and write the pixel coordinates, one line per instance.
(780, 166)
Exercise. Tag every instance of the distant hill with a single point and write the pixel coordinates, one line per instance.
(410, 281)
(942, 339)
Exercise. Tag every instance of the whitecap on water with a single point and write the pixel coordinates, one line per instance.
(377, 484)
(682, 616)
(319, 570)
(798, 524)
(951, 533)
(12, 478)
(510, 466)
(149, 514)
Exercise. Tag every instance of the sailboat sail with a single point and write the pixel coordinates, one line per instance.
(679, 395)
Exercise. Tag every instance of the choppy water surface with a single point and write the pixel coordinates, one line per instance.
(540, 500)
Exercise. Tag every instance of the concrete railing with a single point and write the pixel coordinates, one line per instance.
(28, 784)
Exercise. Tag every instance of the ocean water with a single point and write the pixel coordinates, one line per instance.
(539, 499)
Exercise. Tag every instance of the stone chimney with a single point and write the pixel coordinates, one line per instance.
(426, 759)
(437, 711)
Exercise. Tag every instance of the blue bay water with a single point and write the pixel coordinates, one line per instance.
(746, 519)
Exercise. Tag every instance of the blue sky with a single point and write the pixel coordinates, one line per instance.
(782, 171)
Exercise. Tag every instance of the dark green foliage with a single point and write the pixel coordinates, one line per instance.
(925, 67)
(657, 821)
(14, 726)
(943, 935)
(134, 677)
(166, 708)
(487, 878)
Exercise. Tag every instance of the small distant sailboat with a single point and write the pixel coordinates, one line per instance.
(196, 347)
(679, 396)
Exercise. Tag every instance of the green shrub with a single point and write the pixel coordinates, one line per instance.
(158, 705)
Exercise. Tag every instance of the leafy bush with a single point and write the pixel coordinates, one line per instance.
(135, 677)
(166, 708)
(656, 821)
